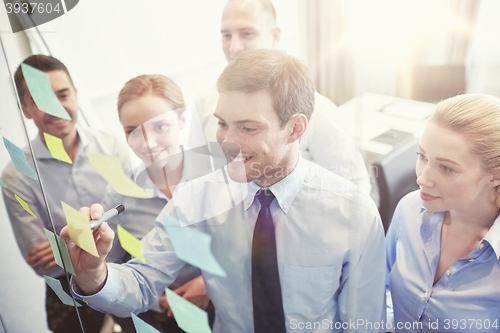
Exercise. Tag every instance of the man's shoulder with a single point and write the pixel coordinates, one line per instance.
(326, 184)
(322, 102)
(104, 143)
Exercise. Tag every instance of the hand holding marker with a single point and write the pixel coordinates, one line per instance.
(94, 224)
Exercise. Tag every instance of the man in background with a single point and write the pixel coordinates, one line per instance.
(76, 184)
(300, 245)
(250, 25)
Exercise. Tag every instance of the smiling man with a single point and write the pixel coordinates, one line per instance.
(76, 184)
(250, 25)
(302, 247)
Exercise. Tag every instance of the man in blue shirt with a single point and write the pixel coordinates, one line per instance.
(76, 184)
(250, 25)
(324, 270)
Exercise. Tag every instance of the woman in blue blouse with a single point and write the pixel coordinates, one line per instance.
(443, 245)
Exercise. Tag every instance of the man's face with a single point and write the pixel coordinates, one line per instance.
(245, 26)
(250, 122)
(66, 93)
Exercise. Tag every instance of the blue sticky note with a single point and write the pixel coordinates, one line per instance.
(55, 285)
(189, 317)
(19, 160)
(143, 327)
(2, 183)
(192, 246)
(40, 89)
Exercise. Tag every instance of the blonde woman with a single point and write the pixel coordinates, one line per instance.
(443, 244)
(151, 110)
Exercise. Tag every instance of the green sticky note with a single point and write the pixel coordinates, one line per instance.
(56, 148)
(130, 244)
(25, 205)
(2, 183)
(53, 238)
(79, 229)
(39, 87)
(55, 285)
(189, 317)
(143, 327)
(19, 159)
(111, 169)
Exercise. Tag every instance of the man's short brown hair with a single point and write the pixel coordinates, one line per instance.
(40, 62)
(284, 77)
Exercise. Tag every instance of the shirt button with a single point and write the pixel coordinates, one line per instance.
(425, 294)
(246, 202)
(471, 260)
(448, 272)
(285, 206)
(481, 246)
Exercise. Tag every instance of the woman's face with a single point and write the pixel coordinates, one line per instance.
(151, 127)
(450, 177)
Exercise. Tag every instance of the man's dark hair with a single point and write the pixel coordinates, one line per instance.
(40, 62)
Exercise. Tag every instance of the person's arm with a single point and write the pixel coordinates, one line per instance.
(390, 245)
(91, 272)
(27, 228)
(362, 296)
(193, 291)
(330, 147)
(133, 287)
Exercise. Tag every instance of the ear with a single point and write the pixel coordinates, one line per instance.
(182, 122)
(297, 126)
(276, 32)
(495, 180)
(24, 105)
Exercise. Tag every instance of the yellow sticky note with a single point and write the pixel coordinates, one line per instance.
(56, 148)
(111, 169)
(24, 204)
(130, 244)
(79, 229)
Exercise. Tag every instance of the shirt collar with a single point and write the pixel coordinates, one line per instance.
(493, 237)
(42, 152)
(431, 220)
(285, 190)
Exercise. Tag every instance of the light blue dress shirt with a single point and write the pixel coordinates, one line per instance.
(465, 299)
(330, 247)
(78, 184)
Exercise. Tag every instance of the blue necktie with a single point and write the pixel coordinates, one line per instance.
(268, 316)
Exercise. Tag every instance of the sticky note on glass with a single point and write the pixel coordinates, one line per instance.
(56, 148)
(111, 169)
(38, 84)
(130, 244)
(25, 205)
(143, 327)
(53, 240)
(55, 285)
(2, 183)
(79, 229)
(192, 246)
(189, 317)
(19, 159)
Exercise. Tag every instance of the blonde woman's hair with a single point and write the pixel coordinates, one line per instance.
(285, 78)
(156, 85)
(477, 118)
